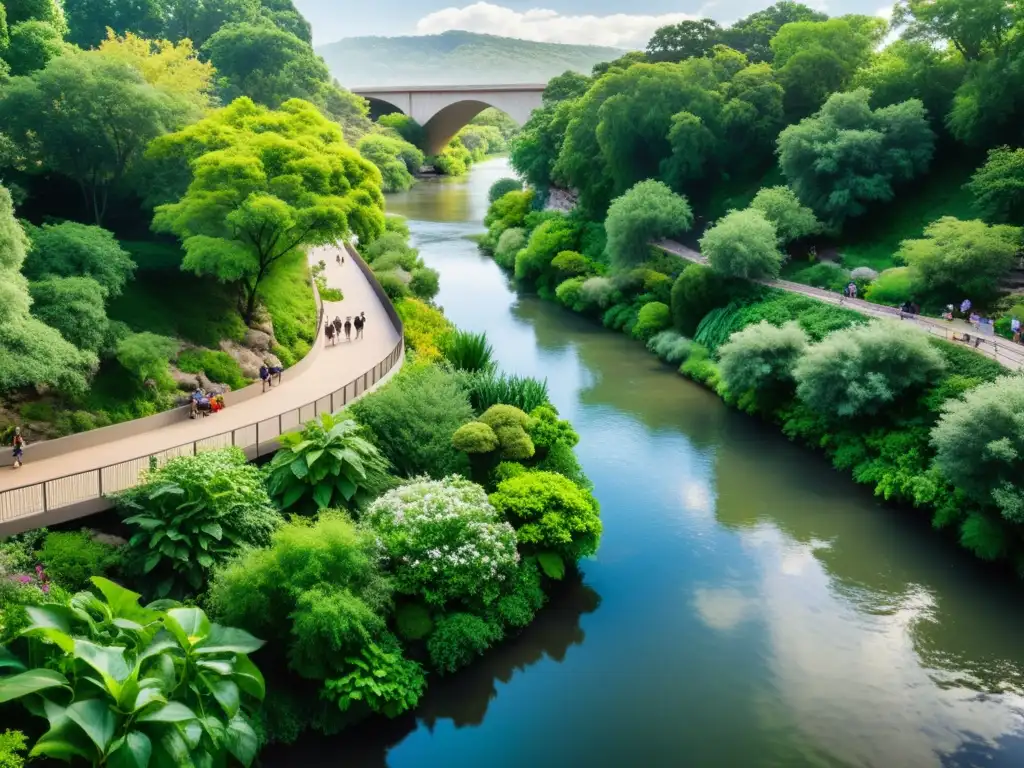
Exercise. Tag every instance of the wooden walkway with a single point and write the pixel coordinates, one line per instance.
(69, 485)
(999, 349)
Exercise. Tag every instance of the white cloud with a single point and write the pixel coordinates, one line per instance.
(620, 30)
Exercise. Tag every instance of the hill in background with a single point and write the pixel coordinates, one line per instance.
(455, 58)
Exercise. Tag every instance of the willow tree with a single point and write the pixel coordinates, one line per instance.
(265, 183)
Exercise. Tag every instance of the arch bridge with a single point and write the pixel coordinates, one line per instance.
(443, 110)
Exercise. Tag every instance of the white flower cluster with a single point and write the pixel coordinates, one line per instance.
(444, 539)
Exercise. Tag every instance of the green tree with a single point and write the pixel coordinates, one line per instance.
(568, 85)
(817, 58)
(998, 186)
(265, 183)
(70, 249)
(47, 11)
(696, 292)
(32, 45)
(75, 307)
(89, 19)
(957, 258)
(146, 355)
(536, 148)
(502, 187)
(649, 211)
(759, 360)
(268, 64)
(979, 445)
(31, 353)
(89, 118)
(860, 371)
(752, 35)
(687, 39)
(972, 26)
(782, 208)
(743, 244)
(847, 155)
(395, 158)
(406, 128)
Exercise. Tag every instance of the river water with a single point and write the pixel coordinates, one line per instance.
(749, 606)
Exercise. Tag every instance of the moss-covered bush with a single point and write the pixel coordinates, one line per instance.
(509, 425)
(475, 437)
(72, 558)
(653, 318)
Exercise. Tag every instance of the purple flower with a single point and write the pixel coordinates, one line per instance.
(24, 579)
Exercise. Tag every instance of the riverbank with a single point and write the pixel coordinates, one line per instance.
(889, 399)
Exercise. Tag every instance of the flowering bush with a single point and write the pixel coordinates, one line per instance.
(444, 540)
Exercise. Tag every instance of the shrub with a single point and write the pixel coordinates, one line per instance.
(490, 389)
(823, 275)
(425, 283)
(553, 236)
(12, 744)
(998, 186)
(597, 292)
(397, 159)
(413, 621)
(893, 287)
(511, 242)
(70, 249)
(648, 211)
(467, 351)
(412, 421)
(957, 258)
(700, 367)
(861, 370)
(397, 225)
(652, 318)
(760, 359)
(550, 514)
(389, 242)
(394, 284)
(864, 274)
(316, 592)
(509, 424)
(327, 464)
(508, 211)
(379, 679)
(424, 327)
(782, 208)
(192, 513)
(570, 264)
(444, 541)
(459, 638)
(979, 445)
(146, 355)
(502, 187)
(697, 291)
(670, 347)
(743, 244)
(569, 293)
(72, 558)
(475, 437)
(395, 260)
(217, 366)
(74, 306)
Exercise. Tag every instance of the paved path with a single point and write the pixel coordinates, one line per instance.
(999, 349)
(333, 368)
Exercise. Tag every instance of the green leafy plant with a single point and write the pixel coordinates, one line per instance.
(384, 681)
(759, 360)
(128, 685)
(502, 187)
(328, 463)
(467, 351)
(192, 513)
(509, 425)
(459, 638)
(523, 392)
(652, 318)
(72, 558)
(12, 744)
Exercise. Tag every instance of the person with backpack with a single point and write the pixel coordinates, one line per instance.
(19, 448)
(358, 323)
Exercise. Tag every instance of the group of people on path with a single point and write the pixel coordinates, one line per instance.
(333, 329)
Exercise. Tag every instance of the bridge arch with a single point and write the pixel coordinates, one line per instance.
(443, 110)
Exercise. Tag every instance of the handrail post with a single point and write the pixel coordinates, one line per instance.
(46, 505)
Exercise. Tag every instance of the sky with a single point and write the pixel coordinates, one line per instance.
(615, 23)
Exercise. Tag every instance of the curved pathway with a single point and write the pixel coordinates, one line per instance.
(26, 492)
(999, 349)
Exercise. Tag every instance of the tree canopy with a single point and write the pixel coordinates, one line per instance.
(648, 211)
(70, 249)
(743, 244)
(998, 186)
(265, 183)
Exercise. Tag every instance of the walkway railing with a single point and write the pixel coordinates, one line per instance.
(255, 439)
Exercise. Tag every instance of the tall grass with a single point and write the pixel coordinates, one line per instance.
(717, 326)
(467, 351)
(487, 389)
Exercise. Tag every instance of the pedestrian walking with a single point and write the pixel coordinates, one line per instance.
(19, 448)
(965, 307)
(348, 329)
(852, 290)
(337, 326)
(358, 322)
(1015, 327)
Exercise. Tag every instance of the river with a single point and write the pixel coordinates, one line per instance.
(749, 606)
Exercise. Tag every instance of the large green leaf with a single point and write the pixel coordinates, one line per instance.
(51, 622)
(171, 712)
(191, 623)
(147, 696)
(214, 529)
(123, 602)
(249, 678)
(131, 751)
(109, 661)
(312, 456)
(224, 691)
(228, 640)
(9, 661)
(65, 740)
(299, 468)
(96, 720)
(33, 681)
(291, 496)
(346, 487)
(552, 565)
(322, 495)
(171, 751)
(241, 740)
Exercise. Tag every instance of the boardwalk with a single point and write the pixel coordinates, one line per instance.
(72, 484)
(1001, 350)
